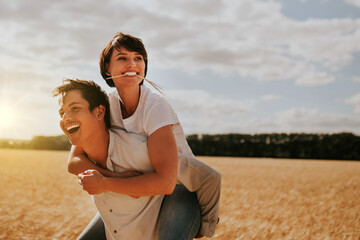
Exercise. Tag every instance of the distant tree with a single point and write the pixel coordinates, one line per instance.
(342, 146)
(60, 142)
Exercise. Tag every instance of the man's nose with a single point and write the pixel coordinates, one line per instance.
(66, 116)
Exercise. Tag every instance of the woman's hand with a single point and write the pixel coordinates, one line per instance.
(92, 181)
(126, 174)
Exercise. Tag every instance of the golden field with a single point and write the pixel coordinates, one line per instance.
(261, 198)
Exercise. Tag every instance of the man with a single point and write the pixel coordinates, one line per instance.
(85, 119)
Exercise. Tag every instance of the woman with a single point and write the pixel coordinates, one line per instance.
(123, 64)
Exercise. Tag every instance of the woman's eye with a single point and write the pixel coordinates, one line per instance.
(122, 58)
(139, 58)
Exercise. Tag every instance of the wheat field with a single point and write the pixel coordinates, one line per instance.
(261, 198)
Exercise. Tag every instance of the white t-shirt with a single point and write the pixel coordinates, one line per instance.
(125, 217)
(152, 113)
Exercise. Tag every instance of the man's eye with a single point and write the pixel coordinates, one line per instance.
(122, 58)
(139, 58)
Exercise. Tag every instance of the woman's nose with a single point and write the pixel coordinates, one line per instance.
(131, 62)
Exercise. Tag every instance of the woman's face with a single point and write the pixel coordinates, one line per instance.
(124, 61)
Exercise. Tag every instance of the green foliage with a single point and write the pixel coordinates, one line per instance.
(341, 146)
(60, 142)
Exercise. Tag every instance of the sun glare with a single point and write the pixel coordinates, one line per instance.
(7, 117)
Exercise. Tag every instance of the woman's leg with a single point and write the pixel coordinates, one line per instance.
(95, 230)
(179, 216)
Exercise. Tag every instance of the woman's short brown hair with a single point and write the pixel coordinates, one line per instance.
(127, 41)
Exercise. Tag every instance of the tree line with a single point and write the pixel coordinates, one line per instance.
(60, 142)
(340, 146)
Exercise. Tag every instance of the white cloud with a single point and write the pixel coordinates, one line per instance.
(248, 39)
(356, 79)
(315, 79)
(270, 97)
(293, 120)
(355, 3)
(252, 38)
(202, 103)
(354, 100)
(313, 120)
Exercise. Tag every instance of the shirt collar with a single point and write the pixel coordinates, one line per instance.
(110, 150)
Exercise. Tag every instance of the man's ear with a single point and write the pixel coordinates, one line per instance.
(100, 112)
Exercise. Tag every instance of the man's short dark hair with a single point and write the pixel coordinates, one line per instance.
(90, 91)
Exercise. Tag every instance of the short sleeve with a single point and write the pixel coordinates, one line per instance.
(159, 115)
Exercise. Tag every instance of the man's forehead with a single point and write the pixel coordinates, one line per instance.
(72, 96)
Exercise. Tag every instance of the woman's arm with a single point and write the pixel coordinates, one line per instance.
(163, 156)
(78, 163)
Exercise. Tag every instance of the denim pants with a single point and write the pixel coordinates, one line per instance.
(179, 218)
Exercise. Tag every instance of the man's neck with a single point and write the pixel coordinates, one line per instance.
(97, 148)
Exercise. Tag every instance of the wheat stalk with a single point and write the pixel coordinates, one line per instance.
(157, 87)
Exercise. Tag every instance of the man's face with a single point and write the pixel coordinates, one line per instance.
(77, 122)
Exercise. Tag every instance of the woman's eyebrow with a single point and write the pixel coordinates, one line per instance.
(122, 53)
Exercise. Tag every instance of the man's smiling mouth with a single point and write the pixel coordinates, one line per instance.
(72, 128)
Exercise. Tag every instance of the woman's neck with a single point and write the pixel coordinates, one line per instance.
(130, 99)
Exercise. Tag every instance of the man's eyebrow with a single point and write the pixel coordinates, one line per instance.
(74, 103)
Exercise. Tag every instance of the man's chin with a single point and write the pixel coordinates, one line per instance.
(72, 141)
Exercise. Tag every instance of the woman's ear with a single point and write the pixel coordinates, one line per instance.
(107, 65)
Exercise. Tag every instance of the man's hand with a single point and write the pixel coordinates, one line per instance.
(92, 181)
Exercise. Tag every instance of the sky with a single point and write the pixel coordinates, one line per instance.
(227, 66)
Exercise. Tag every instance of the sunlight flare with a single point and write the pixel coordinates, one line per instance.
(7, 116)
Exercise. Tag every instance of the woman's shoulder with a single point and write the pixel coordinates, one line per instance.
(113, 93)
(151, 99)
(113, 96)
(157, 112)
